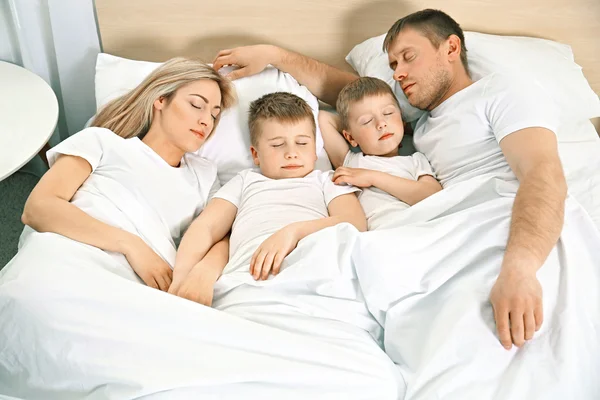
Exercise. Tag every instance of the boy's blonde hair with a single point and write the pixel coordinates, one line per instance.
(358, 90)
(281, 106)
(131, 114)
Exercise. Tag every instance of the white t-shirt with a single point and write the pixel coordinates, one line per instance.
(266, 205)
(461, 136)
(133, 188)
(375, 202)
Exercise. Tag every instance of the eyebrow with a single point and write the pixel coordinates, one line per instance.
(205, 99)
(281, 137)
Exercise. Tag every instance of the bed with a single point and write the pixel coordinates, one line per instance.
(317, 332)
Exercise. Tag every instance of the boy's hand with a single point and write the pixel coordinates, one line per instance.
(197, 287)
(154, 271)
(270, 254)
(358, 177)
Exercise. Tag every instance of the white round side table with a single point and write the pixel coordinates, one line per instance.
(28, 116)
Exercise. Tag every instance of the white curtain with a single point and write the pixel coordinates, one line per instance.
(57, 40)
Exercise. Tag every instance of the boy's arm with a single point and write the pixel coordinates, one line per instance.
(270, 254)
(198, 285)
(211, 226)
(335, 145)
(409, 191)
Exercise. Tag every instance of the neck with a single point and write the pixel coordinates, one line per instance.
(461, 81)
(161, 146)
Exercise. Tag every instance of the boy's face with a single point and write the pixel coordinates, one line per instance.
(375, 124)
(285, 150)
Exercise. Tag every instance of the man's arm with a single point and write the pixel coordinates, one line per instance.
(537, 220)
(324, 81)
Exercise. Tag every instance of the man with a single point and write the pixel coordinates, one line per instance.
(503, 129)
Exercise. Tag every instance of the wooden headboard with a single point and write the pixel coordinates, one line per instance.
(156, 30)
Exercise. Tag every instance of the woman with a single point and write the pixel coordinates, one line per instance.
(131, 184)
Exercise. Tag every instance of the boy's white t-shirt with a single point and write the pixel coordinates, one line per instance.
(133, 188)
(461, 136)
(266, 205)
(377, 203)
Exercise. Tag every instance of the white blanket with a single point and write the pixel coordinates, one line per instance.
(76, 325)
(428, 277)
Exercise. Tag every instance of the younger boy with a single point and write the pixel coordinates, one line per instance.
(270, 211)
(369, 117)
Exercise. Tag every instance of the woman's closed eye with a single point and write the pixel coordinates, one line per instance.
(367, 122)
(301, 143)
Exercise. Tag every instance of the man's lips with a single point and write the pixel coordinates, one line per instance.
(406, 87)
(293, 166)
(200, 134)
(386, 135)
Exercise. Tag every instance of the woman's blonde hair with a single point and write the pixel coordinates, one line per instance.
(130, 115)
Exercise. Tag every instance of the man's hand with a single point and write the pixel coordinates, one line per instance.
(270, 254)
(250, 59)
(517, 301)
(359, 177)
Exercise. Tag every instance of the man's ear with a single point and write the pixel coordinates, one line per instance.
(349, 138)
(254, 156)
(454, 49)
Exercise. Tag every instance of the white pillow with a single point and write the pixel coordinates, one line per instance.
(229, 146)
(549, 63)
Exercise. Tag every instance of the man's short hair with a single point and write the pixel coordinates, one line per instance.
(435, 25)
(281, 106)
(358, 90)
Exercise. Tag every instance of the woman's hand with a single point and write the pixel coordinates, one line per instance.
(198, 286)
(154, 271)
(359, 177)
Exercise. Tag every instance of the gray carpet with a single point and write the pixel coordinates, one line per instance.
(14, 191)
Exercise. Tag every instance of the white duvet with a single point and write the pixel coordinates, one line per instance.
(74, 326)
(427, 279)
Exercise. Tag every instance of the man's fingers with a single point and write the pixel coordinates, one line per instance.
(529, 321)
(538, 313)
(501, 317)
(239, 73)
(516, 328)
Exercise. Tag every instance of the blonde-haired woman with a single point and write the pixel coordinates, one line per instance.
(132, 183)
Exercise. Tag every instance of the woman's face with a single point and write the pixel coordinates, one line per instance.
(188, 117)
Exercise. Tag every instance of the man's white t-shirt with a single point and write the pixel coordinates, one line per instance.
(133, 188)
(377, 203)
(461, 136)
(266, 205)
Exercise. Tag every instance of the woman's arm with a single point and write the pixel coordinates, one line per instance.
(48, 209)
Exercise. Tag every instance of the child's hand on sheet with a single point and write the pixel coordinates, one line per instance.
(270, 254)
(149, 266)
(359, 177)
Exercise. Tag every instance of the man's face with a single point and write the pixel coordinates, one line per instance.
(422, 71)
